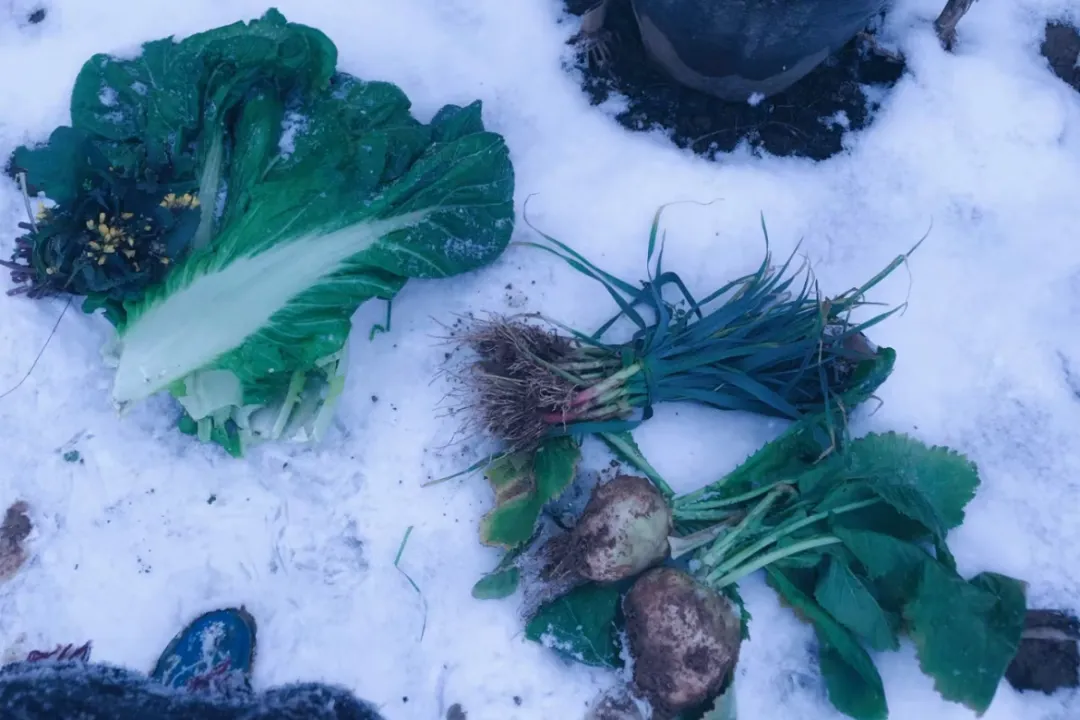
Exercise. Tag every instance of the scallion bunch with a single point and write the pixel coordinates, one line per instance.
(766, 343)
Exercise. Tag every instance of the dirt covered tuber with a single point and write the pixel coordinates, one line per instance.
(684, 638)
(623, 531)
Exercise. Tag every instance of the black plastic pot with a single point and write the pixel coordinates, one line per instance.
(734, 49)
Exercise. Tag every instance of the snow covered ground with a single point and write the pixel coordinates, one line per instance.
(981, 147)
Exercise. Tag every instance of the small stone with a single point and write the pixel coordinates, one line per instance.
(15, 528)
(1049, 655)
(456, 712)
(1061, 48)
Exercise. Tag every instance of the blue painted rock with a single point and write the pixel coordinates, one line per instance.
(735, 49)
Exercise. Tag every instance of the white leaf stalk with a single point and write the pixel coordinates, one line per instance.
(216, 312)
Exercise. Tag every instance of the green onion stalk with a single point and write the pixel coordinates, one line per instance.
(766, 343)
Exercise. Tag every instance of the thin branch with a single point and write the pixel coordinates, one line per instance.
(946, 23)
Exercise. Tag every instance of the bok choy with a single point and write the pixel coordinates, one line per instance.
(285, 194)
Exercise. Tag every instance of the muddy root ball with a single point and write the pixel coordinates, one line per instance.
(510, 387)
(684, 638)
(623, 531)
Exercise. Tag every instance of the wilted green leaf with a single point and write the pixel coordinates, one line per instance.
(581, 625)
(883, 518)
(849, 691)
(523, 484)
(909, 501)
(452, 122)
(946, 479)
(56, 168)
(811, 443)
(156, 104)
(834, 491)
(966, 633)
(554, 465)
(894, 566)
(731, 592)
(852, 681)
(844, 596)
(497, 585)
(788, 456)
(502, 581)
(510, 475)
(944, 555)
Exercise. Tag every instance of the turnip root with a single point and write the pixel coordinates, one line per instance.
(684, 638)
(623, 531)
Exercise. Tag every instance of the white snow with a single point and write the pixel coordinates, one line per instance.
(838, 118)
(293, 123)
(108, 96)
(981, 148)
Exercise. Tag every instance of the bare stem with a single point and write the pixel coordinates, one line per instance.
(716, 552)
(586, 365)
(26, 201)
(688, 503)
(586, 396)
(946, 23)
(734, 562)
(769, 558)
